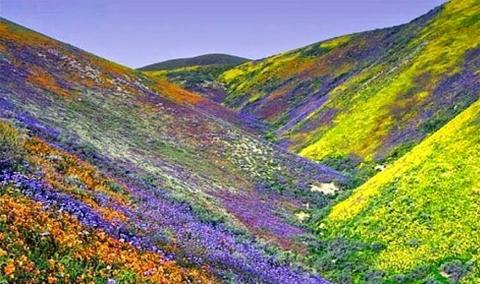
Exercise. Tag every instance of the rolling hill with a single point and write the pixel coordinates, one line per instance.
(201, 60)
(362, 96)
(360, 101)
(197, 74)
(119, 165)
(187, 175)
(395, 108)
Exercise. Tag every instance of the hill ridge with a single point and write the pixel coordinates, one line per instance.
(200, 60)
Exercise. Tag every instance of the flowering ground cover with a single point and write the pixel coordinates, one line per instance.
(417, 221)
(111, 175)
(96, 227)
(363, 100)
(143, 164)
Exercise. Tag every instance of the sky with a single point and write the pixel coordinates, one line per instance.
(141, 32)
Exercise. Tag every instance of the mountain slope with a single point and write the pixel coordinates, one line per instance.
(198, 74)
(368, 96)
(55, 229)
(202, 60)
(418, 219)
(202, 80)
(201, 190)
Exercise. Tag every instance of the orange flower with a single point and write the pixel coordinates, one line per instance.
(9, 268)
(51, 279)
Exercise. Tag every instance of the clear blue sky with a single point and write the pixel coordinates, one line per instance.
(140, 32)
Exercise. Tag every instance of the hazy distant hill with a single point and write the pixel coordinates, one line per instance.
(198, 74)
(202, 60)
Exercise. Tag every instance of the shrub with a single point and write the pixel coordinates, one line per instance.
(374, 277)
(11, 151)
(455, 269)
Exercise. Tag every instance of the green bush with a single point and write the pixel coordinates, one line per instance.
(11, 151)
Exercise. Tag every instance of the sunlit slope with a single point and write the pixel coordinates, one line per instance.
(203, 189)
(367, 96)
(420, 217)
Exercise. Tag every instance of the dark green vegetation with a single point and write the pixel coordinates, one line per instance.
(199, 79)
(202, 60)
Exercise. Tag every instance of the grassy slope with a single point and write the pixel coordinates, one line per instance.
(418, 219)
(367, 96)
(201, 186)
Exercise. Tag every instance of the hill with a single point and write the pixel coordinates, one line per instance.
(197, 74)
(417, 221)
(107, 173)
(365, 99)
(114, 173)
(202, 80)
(202, 60)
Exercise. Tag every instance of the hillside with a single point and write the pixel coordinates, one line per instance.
(202, 60)
(202, 80)
(197, 74)
(417, 221)
(354, 159)
(367, 97)
(119, 165)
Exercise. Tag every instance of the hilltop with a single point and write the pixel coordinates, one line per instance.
(201, 60)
